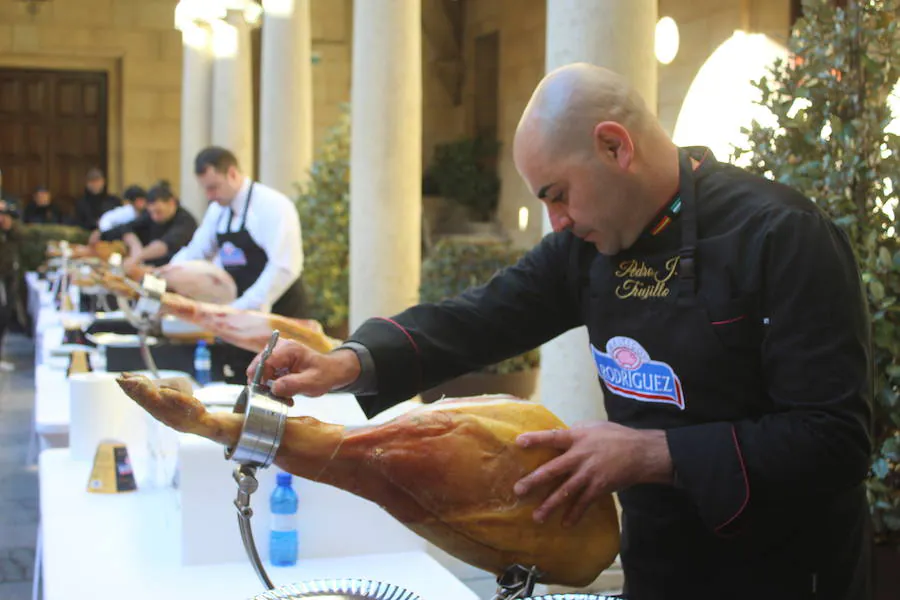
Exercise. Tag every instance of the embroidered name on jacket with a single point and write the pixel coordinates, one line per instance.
(627, 370)
(639, 280)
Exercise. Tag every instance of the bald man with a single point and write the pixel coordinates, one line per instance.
(729, 331)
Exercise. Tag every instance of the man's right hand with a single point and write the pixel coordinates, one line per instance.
(296, 369)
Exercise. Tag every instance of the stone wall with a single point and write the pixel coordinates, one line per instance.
(135, 42)
(332, 39)
(521, 24)
(703, 25)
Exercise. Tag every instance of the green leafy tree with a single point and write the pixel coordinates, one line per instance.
(324, 207)
(833, 140)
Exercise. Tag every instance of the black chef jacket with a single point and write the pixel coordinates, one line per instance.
(176, 233)
(748, 344)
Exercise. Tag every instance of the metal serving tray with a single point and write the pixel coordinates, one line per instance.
(339, 589)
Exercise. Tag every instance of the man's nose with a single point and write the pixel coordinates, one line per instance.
(559, 218)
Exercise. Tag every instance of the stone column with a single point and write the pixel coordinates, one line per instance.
(618, 35)
(232, 112)
(285, 112)
(385, 158)
(196, 105)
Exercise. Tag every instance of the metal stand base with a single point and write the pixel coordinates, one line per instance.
(516, 583)
(146, 315)
(245, 476)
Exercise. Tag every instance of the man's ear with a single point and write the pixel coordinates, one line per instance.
(613, 141)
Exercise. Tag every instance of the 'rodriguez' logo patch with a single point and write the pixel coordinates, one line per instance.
(627, 370)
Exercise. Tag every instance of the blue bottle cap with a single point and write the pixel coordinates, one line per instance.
(201, 343)
(283, 479)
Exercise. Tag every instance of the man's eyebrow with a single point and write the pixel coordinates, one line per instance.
(542, 193)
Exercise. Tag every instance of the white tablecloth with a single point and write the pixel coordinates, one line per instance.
(101, 547)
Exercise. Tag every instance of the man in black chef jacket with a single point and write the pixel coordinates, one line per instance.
(731, 339)
(158, 234)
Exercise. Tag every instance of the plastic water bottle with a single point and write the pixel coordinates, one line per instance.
(283, 542)
(202, 364)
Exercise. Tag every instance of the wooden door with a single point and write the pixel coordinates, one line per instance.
(53, 129)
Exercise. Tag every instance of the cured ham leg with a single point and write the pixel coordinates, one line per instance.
(247, 329)
(101, 250)
(198, 280)
(445, 470)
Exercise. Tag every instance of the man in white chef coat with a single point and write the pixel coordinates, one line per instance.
(253, 232)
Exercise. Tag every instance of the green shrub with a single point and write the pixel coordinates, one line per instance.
(462, 171)
(324, 207)
(33, 249)
(832, 141)
(456, 264)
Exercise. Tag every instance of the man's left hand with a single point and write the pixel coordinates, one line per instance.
(598, 458)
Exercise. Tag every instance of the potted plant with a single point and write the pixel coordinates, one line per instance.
(455, 264)
(464, 173)
(833, 142)
(324, 207)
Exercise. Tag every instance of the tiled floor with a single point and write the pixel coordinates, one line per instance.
(18, 482)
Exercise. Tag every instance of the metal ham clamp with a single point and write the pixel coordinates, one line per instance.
(146, 314)
(261, 433)
(517, 583)
(264, 419)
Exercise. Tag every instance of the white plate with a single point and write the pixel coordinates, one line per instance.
(174, 326)
(67, 349)
(122, 340)
(115, 314)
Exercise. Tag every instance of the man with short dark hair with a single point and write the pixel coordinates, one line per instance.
(10, 238)
(253, 232)
(154, 237)
(95, 202)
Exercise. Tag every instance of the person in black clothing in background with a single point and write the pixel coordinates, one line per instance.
(154, 237)
(730, 333)
(96, 201)
(41, 209)
(10, 241)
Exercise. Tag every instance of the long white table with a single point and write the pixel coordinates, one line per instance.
(102, 547)
(98, 546)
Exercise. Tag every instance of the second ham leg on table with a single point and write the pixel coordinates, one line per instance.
(247, 329)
